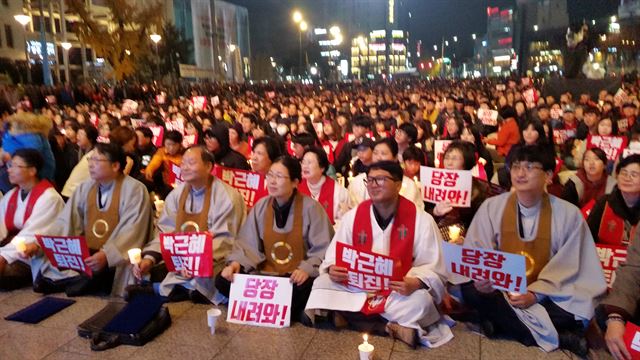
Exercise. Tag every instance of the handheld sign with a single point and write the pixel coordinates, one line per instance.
(190, 252)
(561, 135)
(366, 270)
(506, 271)
(632, 340)
(175, 175)
(440, 184)
(260, 301)
(66, 252)
(488, 117)
(611, 145)
(158, 135)
(199, 102)
(249, 184)
(611, 256)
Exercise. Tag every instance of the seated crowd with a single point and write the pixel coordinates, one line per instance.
(553, 178)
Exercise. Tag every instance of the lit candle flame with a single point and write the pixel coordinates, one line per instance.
(366, 338)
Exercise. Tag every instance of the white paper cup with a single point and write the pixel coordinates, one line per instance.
(212, 317)
(135, 255)
(366, 351)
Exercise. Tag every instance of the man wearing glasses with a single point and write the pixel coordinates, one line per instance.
(563, 272)
(387, 224)
(113, 212)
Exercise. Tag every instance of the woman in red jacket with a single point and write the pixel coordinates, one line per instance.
(508, 133)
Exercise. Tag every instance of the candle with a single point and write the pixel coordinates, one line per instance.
(159, 204)
(212, 317)
(436, 162)
(350, 175)
(454, 233)
(365, 349)
(135, 256)
(434, 128)
(20, 244)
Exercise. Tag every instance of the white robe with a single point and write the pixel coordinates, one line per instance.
(79, 174)
(572, 279)
(417, 310)
(410, 190)
(45, 211)
(342, 199)
(227, 212)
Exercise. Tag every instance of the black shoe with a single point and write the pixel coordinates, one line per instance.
(132, 291)
(574, 342)
(45, 286)
(488, 329)
(197, 298)
(78, 287)
(305, 320)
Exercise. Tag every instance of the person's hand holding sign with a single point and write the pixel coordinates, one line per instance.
(614, 339)
(229, 270)
(522, 301)
(337, 274)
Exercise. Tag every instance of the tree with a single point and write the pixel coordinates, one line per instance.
(119, 43)
(173, 50)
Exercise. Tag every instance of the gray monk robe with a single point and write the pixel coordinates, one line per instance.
(218, 209)
(115, 228)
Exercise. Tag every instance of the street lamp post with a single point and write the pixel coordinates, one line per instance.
(24, 20)
(302, 26)
(156, 39)
(66, 46)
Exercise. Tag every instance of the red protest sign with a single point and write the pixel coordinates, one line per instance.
(66, 252)
(249, 184)
(158, 134)
(366, 270)
(161, 98)
(175, 175)
(199, 102)
(611, 256)
(561, 135)
(440, 184)
(611, 145)
(260, 301)
(189, 140)
(632, 340)
(506, 271)
(191, 252)
(488, 117)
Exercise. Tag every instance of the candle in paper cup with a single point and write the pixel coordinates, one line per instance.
(159, 204)
(434, 128)
(454, 233)
(365, 349)
(20, 244)
(212, 316)
(135, 256)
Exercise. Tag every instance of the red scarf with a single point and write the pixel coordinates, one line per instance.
(326, 195)
(400, 248)
(592, 190)
(611, 230)
(9, 216)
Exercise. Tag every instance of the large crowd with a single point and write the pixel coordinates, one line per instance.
(552, 178)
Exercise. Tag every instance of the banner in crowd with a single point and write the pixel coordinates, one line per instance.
(215, 101)
(440, 184)
(158, 135)
(199, 102)
(556, 113)
(561, 135)
(189, 140)
(439, 147)
(136, 123)
(250, 185)
(161, 98)
(66, 252)
(366, 270)
(505, 270)
(632, 340)
(175, 175)
(611, 145)
(501, 87)
(620, 96)
(630, 151)
(129, 107)
(623, 126)
(188, 252)
(260, 301)
(488, 117)
(177, 124)
(530, 97)
(350, 137)
(611, 256)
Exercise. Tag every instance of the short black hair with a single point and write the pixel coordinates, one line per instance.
(363, 121)
(415, 154)
(114, 153)
(410, 130)
(274, 150)
(292, 165)
(391, 166)
(174, 136)
(391, 144)
(321, 155)
(598, 153)
(468, 151)
(31, 157)
(533, 153)
(146, 132)
(92, 133)
(624, 162)
(304, 139)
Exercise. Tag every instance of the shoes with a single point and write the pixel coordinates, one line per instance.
(132, 291)
(407, 335)
(196, 297)
(338, 321)
(78, 286)
(574, 342)
(488, 329)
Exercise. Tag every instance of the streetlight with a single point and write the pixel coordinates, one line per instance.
(24, 20)
(156, 39)
(473, 36)
(535, 27)
(455, 39)
(66, 46)
(297, 16)
(302, 26)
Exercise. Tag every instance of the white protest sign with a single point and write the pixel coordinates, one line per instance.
(506, 271)
(488, 117)
(260, 301)
(440, 184)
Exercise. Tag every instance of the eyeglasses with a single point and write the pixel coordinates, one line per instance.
(277, 176)
(633, 175)
(377, 180)
(10, 164)
(526, 166)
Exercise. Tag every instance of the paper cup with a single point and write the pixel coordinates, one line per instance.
(212, 317)
(366, 351)
(135, 256)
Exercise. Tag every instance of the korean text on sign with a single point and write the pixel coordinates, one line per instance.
(66, 252)
(260, 301)
(611, 145)
(632, 340)
(249, 184)
(488, 117)
(365, 270)
(611, 256)
(561, 135)
(190, 252)
(506, 271)
(440, 185)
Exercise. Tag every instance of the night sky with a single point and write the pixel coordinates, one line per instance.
(273, 33)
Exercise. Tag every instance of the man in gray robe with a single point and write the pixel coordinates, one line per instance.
(201, 203)
(113, 212)
(564, 276)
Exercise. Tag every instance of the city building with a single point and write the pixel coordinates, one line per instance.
(378, 54)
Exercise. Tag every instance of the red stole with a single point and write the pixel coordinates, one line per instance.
(611, 230)
(326, 195)
(10, 214)
(400, 248)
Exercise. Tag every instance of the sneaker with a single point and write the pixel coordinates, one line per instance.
(407, 335)
(132, 291)
(574, 342)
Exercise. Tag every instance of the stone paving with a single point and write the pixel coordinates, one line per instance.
(189, 338)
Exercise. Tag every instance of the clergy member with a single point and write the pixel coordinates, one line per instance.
(564, 277)
(390, 225)
(24, 212)
(201, 203)
(113, 212)
(286, 234)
